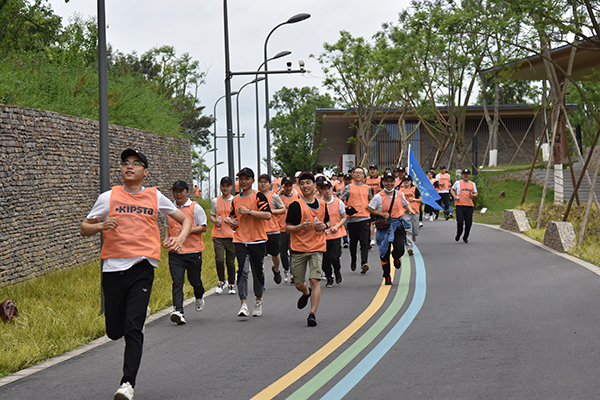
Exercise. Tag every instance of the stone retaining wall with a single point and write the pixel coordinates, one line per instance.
(49, 180)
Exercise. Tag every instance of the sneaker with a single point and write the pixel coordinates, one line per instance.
(276, 276)
(219, 288)
(286, 275)
(410, 252)
(447, 217)
(311, 320)
(414, 238)
(420, 224)
(456, 238)
(257, 312)
(465, 240)
(431, 218)
(353, 267)
(364, 269)
(200, 304)
(329, 283)
(323, 276)
(388, 280)
(125, 392)
(338, 279)
(243, 310)
(232, 289)
(178, 318)
(345, 245)
(303, 300)
(373, 242)
(450, 215)
(397, 263)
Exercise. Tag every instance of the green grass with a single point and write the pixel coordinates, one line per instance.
(61, 310)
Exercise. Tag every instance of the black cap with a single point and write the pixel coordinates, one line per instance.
(388, 175)
(180, 185)
(131, 152)
(373, 166)
(320, 179)
(226, 179)
(264, 176)
(442, 167)
(466, 171)
(407, 178)
(306, 175)
(246, 171)
(276, 173)
(326, 182)
(285, 180)
(347, 176)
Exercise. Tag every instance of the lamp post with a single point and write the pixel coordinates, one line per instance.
(292, 20)
(278, 55)
(237, 109)
(214, 165)
(215, 133)
(202, 157)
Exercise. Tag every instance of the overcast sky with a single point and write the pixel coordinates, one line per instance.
(196, 27)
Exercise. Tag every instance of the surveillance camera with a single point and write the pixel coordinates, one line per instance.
(289, 65)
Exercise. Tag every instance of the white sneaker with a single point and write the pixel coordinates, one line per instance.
(431, 218)
(219, 288)
(286, 276)
(257, 312)
(200, 304)
(373, 242)
(232, 289)
(420, 224)
(125, 392)
(178, 318)
(243, 310)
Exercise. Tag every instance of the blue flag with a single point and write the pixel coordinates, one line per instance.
(428, 192)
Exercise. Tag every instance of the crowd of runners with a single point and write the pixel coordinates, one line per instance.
(301, 223)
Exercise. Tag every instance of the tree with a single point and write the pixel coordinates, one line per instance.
(294, 127)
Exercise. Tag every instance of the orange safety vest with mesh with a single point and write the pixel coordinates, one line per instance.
(386, 202)
(223, 210)
(309, 241)
(272, 225)
(194, 242)
(374, 183)
(410, 194)
(432, 181)
(333, 209)
(250, 229)
(464, 197)
(359, 199)
(286, 202)
(137, 234)
(276, 184)
(444, 181)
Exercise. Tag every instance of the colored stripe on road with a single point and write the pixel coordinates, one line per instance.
(344, 386)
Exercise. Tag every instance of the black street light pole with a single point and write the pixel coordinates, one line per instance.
(230, 161)
(292, 20)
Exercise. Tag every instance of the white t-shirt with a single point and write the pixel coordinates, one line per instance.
(100, 212)
(199, 218)
(377, 202)
(342, 205)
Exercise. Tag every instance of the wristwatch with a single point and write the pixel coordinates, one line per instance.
(249, 212)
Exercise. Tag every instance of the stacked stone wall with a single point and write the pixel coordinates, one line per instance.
(50, 179)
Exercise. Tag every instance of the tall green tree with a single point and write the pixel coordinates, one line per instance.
(293, 127)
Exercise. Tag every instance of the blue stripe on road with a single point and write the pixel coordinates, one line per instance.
(357, 373)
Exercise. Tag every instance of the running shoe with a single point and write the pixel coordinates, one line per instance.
(311, 320)
(420, 224)
(200, 304)
(388, 280)
(353, 266)
(286, 275)
(465, 240)
(178, 318)
(431, 218)
(232, 289)
(410, 252)
(397, 263)
(456, 238)
(257, 312)
(345, 245)
(243, 310)
(414, 238)
(276, 275)
(373, 242)
(219, 288)
(364, 269)
(303, 300)
(125, 392)
(338, 279)
(329, 283)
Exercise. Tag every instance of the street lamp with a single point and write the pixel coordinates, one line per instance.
(214, 165)
(276, 56)
(215, 132)
(292, 20)
(237, 109)
(202, 157)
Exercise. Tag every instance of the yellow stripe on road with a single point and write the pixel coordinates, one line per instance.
(288, 379)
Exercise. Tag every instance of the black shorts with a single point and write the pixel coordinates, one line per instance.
(273, 243)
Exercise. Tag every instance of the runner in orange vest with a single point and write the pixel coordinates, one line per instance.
(381, 206)
(374, 182)
(430, 212)
(413, 196)
(306, 221)
(287, 197)
(464, 191)
(190, 257)
(197, 192)
(222, 236)
(400, 173)
(346, 180)
(337, 214)
(277, 182)
(249, 211)
(445, 184)
(126, 216)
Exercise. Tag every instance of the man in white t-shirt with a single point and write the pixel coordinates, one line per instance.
(126, 216)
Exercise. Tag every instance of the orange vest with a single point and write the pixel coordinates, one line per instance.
(250, 229)
(223, 210)
(359, 199)
(272, 225)
(432, 181)
(464, 197)
(374, 183)
(197, 192)
(444, 181)
(286, 202)
(333, 209)
(386, 202)
(193, 243)
(297, 190)
(276, 184)
(410, 194)
(137, 233)
(309, 241)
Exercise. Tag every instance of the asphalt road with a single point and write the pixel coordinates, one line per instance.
(496, 318)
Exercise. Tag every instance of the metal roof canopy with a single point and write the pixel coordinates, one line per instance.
(586, 64)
